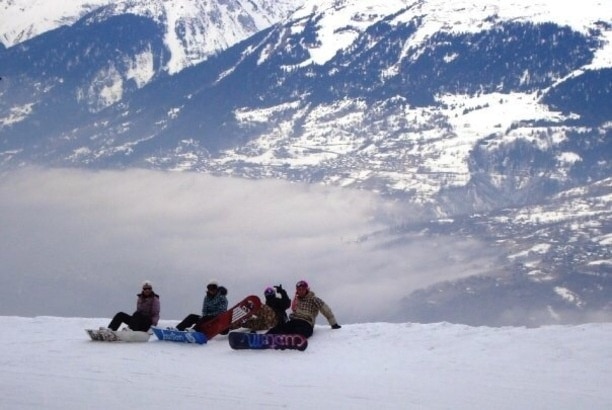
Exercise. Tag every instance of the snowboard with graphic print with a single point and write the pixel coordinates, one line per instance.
(235, 315)
(125, 335)
(181, 336)
(259, 341)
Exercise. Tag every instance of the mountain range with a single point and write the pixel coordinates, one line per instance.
(488, 119)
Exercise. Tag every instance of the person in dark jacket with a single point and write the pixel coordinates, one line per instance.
(278, 299)
(215, 302)
(305, 308)
(272, 312)
(146, 314)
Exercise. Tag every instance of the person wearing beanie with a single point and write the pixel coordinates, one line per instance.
(305, 308)
(146, 314)
(215, 303)
(271, 313)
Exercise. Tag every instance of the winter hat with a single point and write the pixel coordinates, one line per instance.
(147, 284)
(270, 292)
(302, 284)
(213, 282)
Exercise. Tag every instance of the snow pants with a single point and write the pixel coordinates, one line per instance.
(193, 319)
(298, 326)
(137, 321)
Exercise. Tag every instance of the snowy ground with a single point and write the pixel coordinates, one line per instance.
(49, 362)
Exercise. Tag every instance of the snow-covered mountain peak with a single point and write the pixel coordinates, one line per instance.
(194, 30)
(26, 19)
(340, 22)
(198, 29)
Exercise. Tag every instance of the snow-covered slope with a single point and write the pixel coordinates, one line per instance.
(95, 54)
(26, 19)
(452, 75)
(343, 21)
(49, 362)
(194, 30)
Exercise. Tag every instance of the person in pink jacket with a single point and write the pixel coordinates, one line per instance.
(146, 314)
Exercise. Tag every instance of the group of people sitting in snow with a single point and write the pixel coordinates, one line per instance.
(271, 317)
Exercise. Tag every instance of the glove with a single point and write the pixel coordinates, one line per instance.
(280, 289)
(336, 326)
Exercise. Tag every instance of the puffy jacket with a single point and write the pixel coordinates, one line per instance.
(215, 304)
(149, 306)
(308, 307)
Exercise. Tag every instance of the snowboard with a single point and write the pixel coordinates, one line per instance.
(174, 335)
(126, 335)
(258, 341)
(237, 314)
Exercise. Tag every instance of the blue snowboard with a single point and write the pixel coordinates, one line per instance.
(179, 336)
(259, 341)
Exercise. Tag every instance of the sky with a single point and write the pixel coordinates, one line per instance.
(50, 363)
(80, 243)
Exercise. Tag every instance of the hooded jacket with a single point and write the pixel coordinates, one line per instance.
(215, 304)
